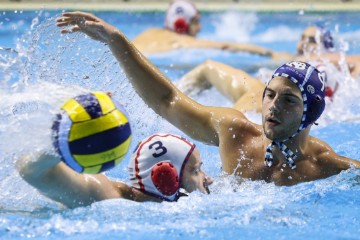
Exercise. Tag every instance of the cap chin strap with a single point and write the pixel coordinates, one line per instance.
(289, 155)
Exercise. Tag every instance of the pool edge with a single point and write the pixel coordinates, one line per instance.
(272, 6)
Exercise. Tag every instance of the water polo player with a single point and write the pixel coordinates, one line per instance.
(315, 39)
(172, 161)
(182, 25)
(317, 47)
(292, 102)
(164, 163)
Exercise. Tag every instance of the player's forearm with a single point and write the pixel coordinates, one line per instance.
(245, 47)
(156, 90)
(226, 46)
(53, 179)
(32, 167)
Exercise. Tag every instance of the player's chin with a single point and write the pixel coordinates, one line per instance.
(269, 134)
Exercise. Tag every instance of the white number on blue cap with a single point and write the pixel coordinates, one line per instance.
(297, 65)
(322, 78)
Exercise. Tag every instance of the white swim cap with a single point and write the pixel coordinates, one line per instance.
(179, 15)
(157, 164)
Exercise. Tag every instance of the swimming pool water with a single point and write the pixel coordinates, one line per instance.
(48, 68)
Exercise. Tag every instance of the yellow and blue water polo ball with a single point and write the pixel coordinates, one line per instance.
(92, 133)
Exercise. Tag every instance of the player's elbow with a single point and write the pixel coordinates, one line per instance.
(23, 168)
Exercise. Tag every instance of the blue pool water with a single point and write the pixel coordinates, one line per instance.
(47, 68)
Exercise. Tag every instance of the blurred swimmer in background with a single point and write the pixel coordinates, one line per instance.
(317, 46)
(182, 24)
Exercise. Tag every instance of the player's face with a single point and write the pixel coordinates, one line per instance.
(310, 41)
(282, 109)
(194, 178)
(194, 26)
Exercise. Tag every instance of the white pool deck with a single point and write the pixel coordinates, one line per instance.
(203, 5)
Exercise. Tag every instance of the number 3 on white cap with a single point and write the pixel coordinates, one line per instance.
(159, 148)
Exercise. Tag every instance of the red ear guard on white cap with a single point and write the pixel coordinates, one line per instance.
(157, 164)
(165, 178)
(179, 15)
(181, 26)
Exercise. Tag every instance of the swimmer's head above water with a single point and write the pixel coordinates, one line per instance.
(163, 163)
(289, 107)
(183, 17)
(315, 39)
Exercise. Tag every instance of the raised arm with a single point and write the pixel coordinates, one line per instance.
(57, 181)
(192, 42)
(235, 84)
(231, 82)
(159, 40)
(156, 90)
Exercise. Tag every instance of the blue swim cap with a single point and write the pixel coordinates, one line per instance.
(326, 37)
(312, 86)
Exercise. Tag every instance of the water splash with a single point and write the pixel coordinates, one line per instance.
(272, 34)
(241, 25)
